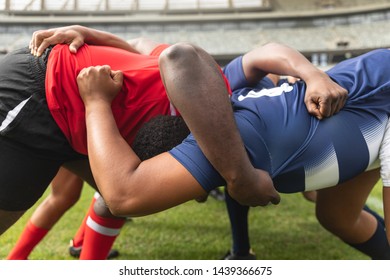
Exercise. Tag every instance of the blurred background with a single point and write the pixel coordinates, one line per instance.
(326, 31)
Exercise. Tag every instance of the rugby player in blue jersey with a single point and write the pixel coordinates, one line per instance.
(323, 98)
(298, 150)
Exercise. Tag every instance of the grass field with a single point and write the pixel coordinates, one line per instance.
(193, 231)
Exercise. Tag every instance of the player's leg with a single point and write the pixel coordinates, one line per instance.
(100, 233)
(23, 180)
(76, 243)
(100, 228)
(310, 195)
(238, 217)
(65, 192)
(340, 210)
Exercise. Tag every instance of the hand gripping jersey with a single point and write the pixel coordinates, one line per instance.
(299, 151)
(142, 96)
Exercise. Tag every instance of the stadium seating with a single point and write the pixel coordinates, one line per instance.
(337, 28)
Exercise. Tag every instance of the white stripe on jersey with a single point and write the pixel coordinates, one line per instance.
(323, 171)
(276, 91)
(373, 133)
(102, 229)
(12, 114)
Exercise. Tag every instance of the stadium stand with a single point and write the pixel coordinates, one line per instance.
(324, 30)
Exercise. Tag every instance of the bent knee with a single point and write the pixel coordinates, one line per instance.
(339, 224)
(63, 201)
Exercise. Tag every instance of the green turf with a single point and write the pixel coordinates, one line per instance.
(191, 231)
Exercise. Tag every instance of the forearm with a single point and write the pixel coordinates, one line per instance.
(323, 97)
(111, 158)
(102, 38)
(138, 45)
(277, 59)
(131, 187)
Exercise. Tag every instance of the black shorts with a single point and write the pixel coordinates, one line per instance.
(32, 147)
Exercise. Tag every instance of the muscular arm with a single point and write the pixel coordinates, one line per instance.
(195, 86)
(129, 187)
(323, 97)
(76, 35)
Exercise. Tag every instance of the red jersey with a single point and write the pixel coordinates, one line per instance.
(142, 96)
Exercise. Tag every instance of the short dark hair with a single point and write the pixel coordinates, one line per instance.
(159, 135)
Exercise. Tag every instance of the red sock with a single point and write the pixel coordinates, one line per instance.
(78, 239)
(100, 234)
(29, 238)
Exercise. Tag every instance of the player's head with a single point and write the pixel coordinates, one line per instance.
(159, 135)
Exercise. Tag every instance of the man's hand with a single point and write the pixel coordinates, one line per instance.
(324, 97)
(73, 35)
(262, 195)
(99, 83)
